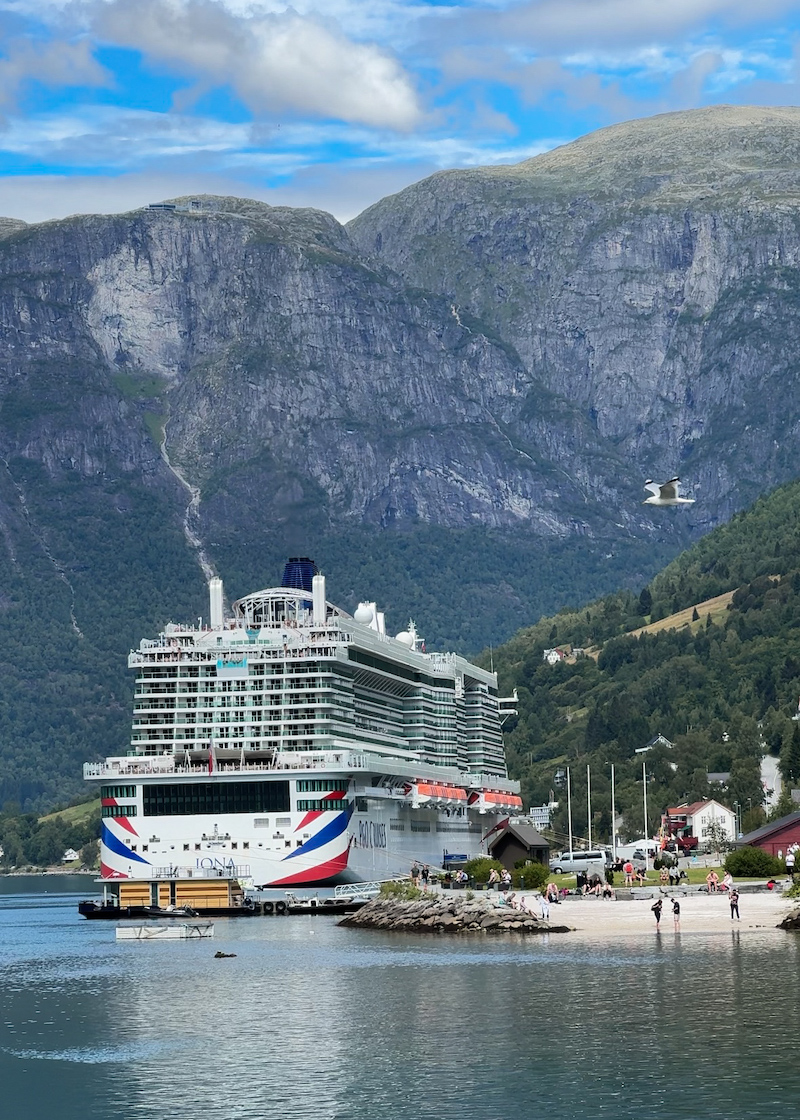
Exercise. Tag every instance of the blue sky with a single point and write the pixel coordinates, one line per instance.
(109, 104)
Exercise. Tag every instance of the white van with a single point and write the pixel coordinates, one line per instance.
(594, 860)
(638, 849)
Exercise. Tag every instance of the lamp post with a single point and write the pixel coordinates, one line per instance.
(569, 811)
(589, 805)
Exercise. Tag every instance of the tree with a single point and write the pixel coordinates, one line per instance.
(716, 837)
(645, 601)
(790, 757)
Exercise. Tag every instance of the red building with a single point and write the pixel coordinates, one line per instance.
(777, 836)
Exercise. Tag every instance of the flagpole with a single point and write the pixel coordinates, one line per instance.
(644, 796)
(589, 805)
(569, 810)
(613, 818)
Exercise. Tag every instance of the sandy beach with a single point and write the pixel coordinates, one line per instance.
(700, 913)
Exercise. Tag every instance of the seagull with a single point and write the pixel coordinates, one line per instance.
(665, 494)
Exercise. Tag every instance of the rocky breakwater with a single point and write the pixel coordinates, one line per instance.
(791, 921)
(436, 914)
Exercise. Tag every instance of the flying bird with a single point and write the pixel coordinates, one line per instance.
(665, 494)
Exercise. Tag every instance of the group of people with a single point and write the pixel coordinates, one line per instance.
(420, 873)
(499, 880)
(715, 886)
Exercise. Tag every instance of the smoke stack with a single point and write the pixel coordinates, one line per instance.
(215, 598)
(318, 596)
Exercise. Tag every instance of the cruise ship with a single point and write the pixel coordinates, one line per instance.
(288, 742)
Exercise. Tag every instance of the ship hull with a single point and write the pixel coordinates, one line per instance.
(334, 847)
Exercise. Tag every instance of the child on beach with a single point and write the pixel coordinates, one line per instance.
(676, 913)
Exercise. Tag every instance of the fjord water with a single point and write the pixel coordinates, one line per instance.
(312, 1021)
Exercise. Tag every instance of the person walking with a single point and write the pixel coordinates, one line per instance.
(734, 901)
(790, 863)
(657, 908)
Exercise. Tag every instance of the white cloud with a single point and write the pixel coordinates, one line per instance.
(52, 64)
(570, 25)
(276, 62)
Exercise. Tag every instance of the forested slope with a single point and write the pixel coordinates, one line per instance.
(722, 688)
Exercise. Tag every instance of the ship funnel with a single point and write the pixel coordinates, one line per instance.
(299, 573)
(215, 597)
(318, 596)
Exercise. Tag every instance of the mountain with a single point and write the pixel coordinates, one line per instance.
(719, 681)
(648, 273)
(451, 404)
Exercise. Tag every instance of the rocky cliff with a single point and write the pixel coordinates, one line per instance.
(452, 403)
(647, 273)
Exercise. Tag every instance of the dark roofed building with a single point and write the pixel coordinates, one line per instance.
(516, 842)
(777, 836)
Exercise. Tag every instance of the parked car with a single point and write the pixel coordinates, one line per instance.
(594, 859)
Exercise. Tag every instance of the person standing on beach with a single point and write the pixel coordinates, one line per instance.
(628, 869)
(656, 908)
(676, 913)
(734, 901)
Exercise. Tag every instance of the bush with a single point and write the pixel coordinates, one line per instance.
(531, 877)
(402, 891)
(478, 869)
(753, 862)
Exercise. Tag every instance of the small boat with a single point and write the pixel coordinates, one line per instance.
(165, 933)
(313, 904)
(111, 909)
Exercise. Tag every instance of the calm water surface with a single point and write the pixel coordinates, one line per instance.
(318, 1022)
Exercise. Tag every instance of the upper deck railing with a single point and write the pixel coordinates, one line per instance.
(164, 766)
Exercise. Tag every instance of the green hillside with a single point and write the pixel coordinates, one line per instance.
(721, 684)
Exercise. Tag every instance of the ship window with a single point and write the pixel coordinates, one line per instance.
(287, 843)
(218, 798)
(118, 811)
(118, 791)
(246, 844)
(234, 845)
(307, 806)
(186, 847)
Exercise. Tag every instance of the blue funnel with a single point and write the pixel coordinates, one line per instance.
(299, 572)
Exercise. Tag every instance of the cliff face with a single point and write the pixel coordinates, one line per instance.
(647, 273)
(452, 403)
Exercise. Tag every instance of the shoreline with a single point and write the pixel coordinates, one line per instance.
(700, 914)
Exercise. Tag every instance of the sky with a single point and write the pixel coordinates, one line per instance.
(106, 105)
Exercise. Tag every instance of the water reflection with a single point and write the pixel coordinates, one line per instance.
(314, 1021)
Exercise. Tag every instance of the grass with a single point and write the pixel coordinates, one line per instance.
(696, 875)
(75, 814)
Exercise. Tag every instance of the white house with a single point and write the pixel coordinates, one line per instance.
(70, 855)
(540, 814)
(696, 820)
(553, 656)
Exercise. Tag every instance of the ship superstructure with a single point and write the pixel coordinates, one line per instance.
(290, 742)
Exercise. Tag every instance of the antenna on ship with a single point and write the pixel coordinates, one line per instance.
(491, 659)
